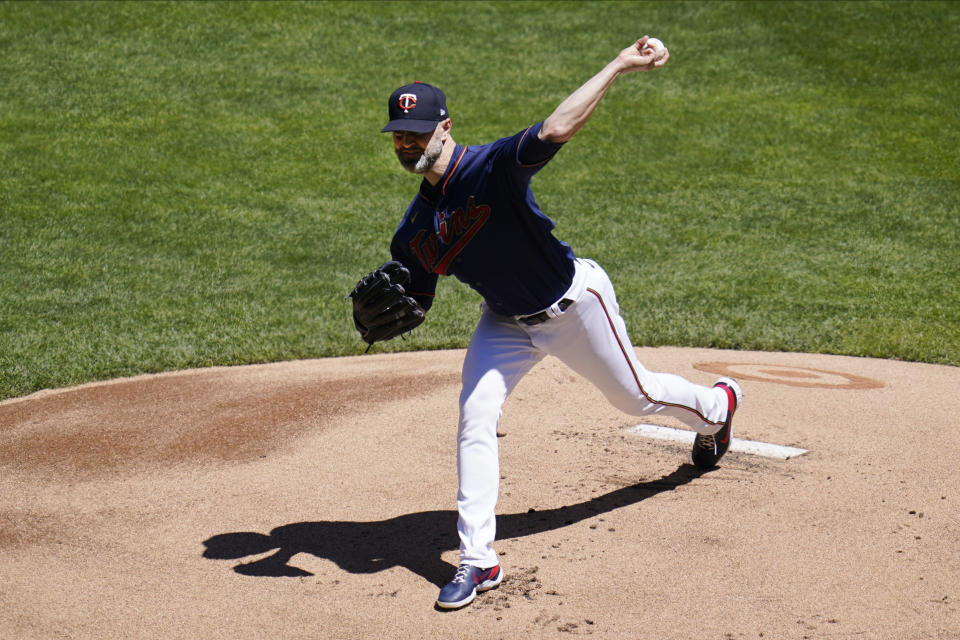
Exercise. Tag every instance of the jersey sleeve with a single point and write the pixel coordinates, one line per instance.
(423, 284)
(532, 152)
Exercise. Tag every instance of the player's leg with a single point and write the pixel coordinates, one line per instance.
(591, 338)
(499, 355)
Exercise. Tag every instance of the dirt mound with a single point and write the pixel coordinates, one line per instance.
(275, 501)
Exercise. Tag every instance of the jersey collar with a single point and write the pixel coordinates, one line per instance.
(432, 193)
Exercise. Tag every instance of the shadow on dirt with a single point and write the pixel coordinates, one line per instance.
(414, 541)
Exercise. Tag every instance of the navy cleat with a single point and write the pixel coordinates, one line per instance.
(464, 587)
(707, 450)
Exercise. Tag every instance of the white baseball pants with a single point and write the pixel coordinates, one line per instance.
(591, 339)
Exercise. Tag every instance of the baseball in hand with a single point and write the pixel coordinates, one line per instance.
(657, 46)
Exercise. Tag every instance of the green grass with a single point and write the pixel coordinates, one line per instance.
(190, 184)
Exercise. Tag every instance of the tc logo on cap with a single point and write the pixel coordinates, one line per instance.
(407, 101)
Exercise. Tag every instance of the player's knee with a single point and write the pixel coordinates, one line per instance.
(490, 390)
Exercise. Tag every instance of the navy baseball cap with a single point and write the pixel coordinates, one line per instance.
(416, 107)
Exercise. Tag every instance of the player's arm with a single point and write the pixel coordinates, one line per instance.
(423, 284)
(574, 112)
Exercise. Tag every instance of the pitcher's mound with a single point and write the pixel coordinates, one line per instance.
(317, 499)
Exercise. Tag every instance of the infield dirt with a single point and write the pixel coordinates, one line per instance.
(316, 499)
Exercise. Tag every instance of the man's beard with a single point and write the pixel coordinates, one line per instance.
(426, 160)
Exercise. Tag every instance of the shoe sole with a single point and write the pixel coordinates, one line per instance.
(486, 585)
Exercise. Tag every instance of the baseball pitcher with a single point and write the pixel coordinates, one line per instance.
(475, 218)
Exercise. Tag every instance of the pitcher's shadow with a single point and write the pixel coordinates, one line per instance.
(414, 541)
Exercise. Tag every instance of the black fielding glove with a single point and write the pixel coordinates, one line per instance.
(381, 308)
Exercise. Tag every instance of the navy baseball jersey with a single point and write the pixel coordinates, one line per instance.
(481, 224)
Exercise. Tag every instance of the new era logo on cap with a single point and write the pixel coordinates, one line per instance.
(416, 107)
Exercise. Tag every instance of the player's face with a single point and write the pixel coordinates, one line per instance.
(417, 152)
